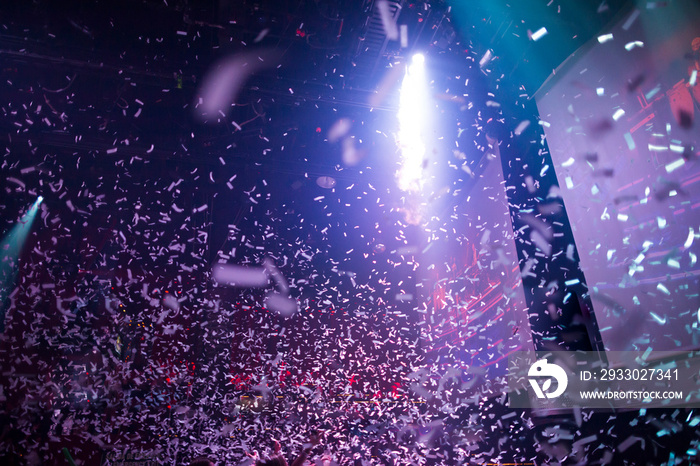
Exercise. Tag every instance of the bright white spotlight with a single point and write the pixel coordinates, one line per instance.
(39, 200)
(413, 108)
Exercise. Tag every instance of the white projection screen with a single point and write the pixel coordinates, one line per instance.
(621, 118)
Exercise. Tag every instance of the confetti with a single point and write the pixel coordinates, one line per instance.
(689, 240)
(605, 38)
(403, 29)
(618, 114)
(522, 126)
(674, 165)
(224, 82)
(240, 276)
(284, 305)
(339, 129)
(540, 33)
(164, 302)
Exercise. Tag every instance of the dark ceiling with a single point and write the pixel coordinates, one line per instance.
(95, 61)
(110, 88)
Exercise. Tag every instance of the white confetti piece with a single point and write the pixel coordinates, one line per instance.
(689, 240)
(676, 148)
(239, 276)
(540, 33)
(171, 302)
(339, 129)
(663, 289)
(223, 83)
(605, 38)
(657, 148)
(351, 155)
(485, 59)
(570, 252)
(326, 182)
(286, 306)
(522, 126)
(675, 165)
(261, 35)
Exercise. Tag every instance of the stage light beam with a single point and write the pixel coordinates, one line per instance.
(413, 108)
(10, 251)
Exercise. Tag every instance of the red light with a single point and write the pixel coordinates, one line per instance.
(167, 379)
(318, 129)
